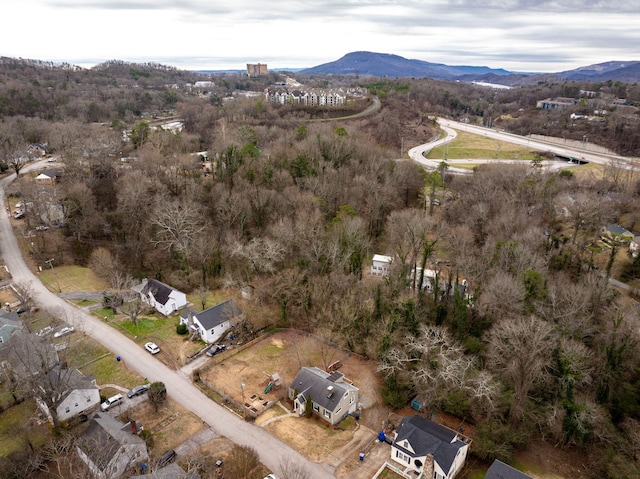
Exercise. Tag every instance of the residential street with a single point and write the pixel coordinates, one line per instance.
(179, 387)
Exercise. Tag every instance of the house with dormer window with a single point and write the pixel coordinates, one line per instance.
(428, 449)
(331, 396)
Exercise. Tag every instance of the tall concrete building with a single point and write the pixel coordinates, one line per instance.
(256, 69)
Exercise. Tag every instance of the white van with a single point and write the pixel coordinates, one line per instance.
(112, 401)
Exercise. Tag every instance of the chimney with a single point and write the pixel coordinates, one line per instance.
(329, 391)
(428, 469)
(134, 427)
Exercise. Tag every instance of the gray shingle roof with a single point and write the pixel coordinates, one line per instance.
(500, 470)
(428, 437)
(160, 290)
(313, 383)
(216, 315)
(103, 438)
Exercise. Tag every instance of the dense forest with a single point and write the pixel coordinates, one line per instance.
(535, 344)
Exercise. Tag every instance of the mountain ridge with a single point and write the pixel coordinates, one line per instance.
(395, 66)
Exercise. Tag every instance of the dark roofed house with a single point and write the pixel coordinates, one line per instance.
(500, 470)
(212, 323)
(331, 397)
(49, 177)
(109, 447)
(164, 298)
(429, 449)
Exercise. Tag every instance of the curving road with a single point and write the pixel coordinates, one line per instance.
(179, 387)
(418, 153)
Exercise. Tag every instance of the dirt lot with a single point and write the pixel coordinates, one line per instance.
(171, 425)
(285, 353)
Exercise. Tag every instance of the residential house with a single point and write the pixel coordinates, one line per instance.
(212, 323)
(429, 449)
(37, 149)
(109, 448)
(9, 324)
(381, 265)
(615, 231)
(165, 299)
(74, 392)
(49, 177)
(331, 396)
(500, 470)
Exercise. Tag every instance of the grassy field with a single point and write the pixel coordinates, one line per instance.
(66, 279)
(467, 145)
(16, 429)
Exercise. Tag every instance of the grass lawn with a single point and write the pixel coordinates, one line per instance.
(213, 298)
(84, 302)
(92, 358)
(67, 279)
(16, 429)
(467, 145)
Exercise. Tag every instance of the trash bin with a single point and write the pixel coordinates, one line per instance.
(361, 456)
(357, 416)
(118, 358)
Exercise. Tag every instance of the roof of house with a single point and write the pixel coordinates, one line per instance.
(216, 315)
(382, 258)
(50, 173)
(9, 324)
(500, 470)
(313, 383)
(172, 471)
(618, 230)
(63, 379)
(103, 438)
(160, 290)
(426, 437)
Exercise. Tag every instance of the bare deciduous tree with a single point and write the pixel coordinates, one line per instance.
(518, 352)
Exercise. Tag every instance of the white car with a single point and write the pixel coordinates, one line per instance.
(152, 348)
(64, 331)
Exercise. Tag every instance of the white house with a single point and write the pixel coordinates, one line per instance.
(380, 265)
(75, 394)
(109, 447)
(165, 299)
(429, 449)
(212, 323)
(634, 245)
(331, 397)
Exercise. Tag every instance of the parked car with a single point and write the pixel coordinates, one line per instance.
(143, 388)
(112, 401)
(45, 331)
(64, 331)
(215, 349)
(152, 348)
(22, 309)
(167, 458)
(270, 476)
(18, 214)
(42, 228)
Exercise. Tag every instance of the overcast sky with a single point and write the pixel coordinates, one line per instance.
(518, 35)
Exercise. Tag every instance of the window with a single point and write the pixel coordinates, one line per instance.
(402, 457)
(67, 409)
(316, 408)
(88, 399)
(327, 414)
(338, 411)
(76, 405)
(352, 400)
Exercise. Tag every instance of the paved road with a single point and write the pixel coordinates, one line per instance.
(418, 153)
(179, 387)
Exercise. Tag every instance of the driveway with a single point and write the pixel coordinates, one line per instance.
(271, 450)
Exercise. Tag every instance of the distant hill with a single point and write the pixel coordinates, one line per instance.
(394, 66)
(387, 65)
(614, 70)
